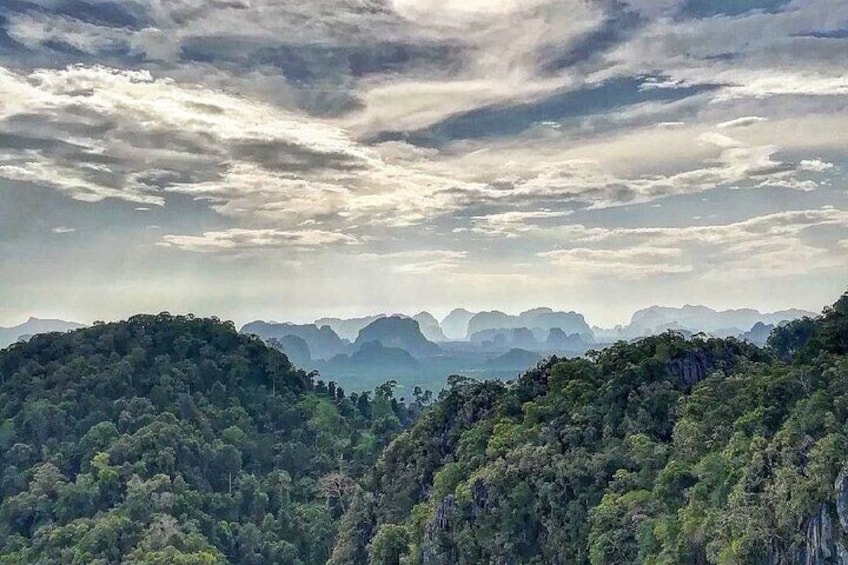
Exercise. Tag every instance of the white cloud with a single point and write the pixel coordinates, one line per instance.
(248, 159)
(415, 262)
(815, 165)
(774, 244)
(631, 263)
(741, 122)
(236, 239)
(766, 83)
(514, 223)
(63, 230)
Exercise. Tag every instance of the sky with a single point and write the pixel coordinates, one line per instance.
(291, 159)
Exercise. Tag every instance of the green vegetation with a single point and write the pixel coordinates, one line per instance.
(663, 451)
(175, 440)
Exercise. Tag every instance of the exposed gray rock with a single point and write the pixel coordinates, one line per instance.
(431, 552)
(819, 547)
(691, 368)
(824, 532)
(841, 488)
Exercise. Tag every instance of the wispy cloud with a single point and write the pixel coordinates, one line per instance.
(413, 262)
(245, 239)
(775, 244)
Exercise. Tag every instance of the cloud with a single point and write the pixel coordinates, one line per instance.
(764, 84)
(416, 262)
(504, 117)
(63, 230)
(137, 138)
(631, 263)
(741, 122)
(815, 165)
(771, 245)
(236, 239)
(97, 133)
(512, 224)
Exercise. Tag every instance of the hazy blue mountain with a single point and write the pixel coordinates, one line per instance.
(758, 334)
(429, 326)
(546, 319)
(323, 342)
(560, 342)
(296, 349)
(376, 356)
(538, 320)
(348, 328)
(32, 327)
(514, 359)
(506, 338)
(657, 319)
(399, 332)
(491, 320)
(455, 324)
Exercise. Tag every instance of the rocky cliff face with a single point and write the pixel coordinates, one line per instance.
(823, 542)
(825, 533)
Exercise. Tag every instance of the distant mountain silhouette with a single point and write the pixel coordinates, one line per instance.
(348, 328)
(491, 344)
(560, 342)
(295, 348)
(32, 327)
(657, 319)
(430, 327)
(501, 338)
(538, 320)
(374, 355)
(323, 342)
(455, 324)
(399, 332)
(492, 320)
(514, 359)
(555, 341)
(758, 334)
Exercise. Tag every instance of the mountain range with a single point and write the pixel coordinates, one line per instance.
(362, 350)
(32, 327)
(490, 343)
(725, 323)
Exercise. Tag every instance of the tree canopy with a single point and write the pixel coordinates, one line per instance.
(661, 451)
(169, 439)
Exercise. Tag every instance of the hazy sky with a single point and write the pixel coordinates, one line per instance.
(289, 159)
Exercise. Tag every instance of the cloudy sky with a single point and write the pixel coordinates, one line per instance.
(288, 159)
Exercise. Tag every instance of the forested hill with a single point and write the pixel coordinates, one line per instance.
(664, 451)
(175, 440)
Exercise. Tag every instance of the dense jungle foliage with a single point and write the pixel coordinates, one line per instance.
(663, 451)
(175, 440)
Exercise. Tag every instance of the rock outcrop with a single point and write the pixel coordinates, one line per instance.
(430, 327)
(397, 332)
(455, 324)
(825, 533)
